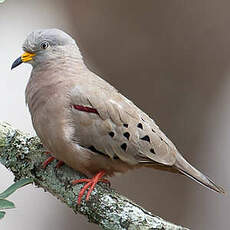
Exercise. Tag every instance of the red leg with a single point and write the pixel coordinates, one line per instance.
(50, 159)
(59, 164)
(47, 152)
(46, 162)
(90, 183)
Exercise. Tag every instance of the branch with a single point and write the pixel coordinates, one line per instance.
(22, 154)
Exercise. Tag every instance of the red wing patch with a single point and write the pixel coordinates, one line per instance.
(85, 109)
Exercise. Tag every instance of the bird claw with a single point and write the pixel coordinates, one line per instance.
(90, 183)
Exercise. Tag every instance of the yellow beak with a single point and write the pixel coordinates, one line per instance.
(27, 57)
(24, 58)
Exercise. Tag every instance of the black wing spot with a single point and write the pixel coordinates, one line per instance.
(161, 138)
(142, 119)
(126, 125)
(145, 138)
(124, 146)
(140, 126)
(93, 149)
(152, 151)
(127, 135)
(111, 134)
(153, 130)
(116, 157)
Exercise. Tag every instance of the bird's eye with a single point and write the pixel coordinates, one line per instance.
(44, 45)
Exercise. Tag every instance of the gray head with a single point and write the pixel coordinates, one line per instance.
(44, 45)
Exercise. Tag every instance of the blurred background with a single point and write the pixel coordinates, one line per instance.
(172, 59)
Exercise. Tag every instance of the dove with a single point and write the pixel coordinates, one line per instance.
(86, 123)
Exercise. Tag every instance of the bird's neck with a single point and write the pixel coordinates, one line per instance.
(52, 77)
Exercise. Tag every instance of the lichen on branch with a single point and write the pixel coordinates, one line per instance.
(23, 155)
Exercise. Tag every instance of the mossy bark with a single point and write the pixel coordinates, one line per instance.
(23, 155)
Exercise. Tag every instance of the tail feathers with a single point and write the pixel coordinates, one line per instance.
(185, 168)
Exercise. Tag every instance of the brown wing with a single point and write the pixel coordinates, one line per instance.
(117, 127)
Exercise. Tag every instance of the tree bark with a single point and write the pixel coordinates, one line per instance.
(23, 155)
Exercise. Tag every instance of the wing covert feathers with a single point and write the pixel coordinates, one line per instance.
(120, 129)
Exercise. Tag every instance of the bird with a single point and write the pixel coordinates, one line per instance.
(86, 123)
